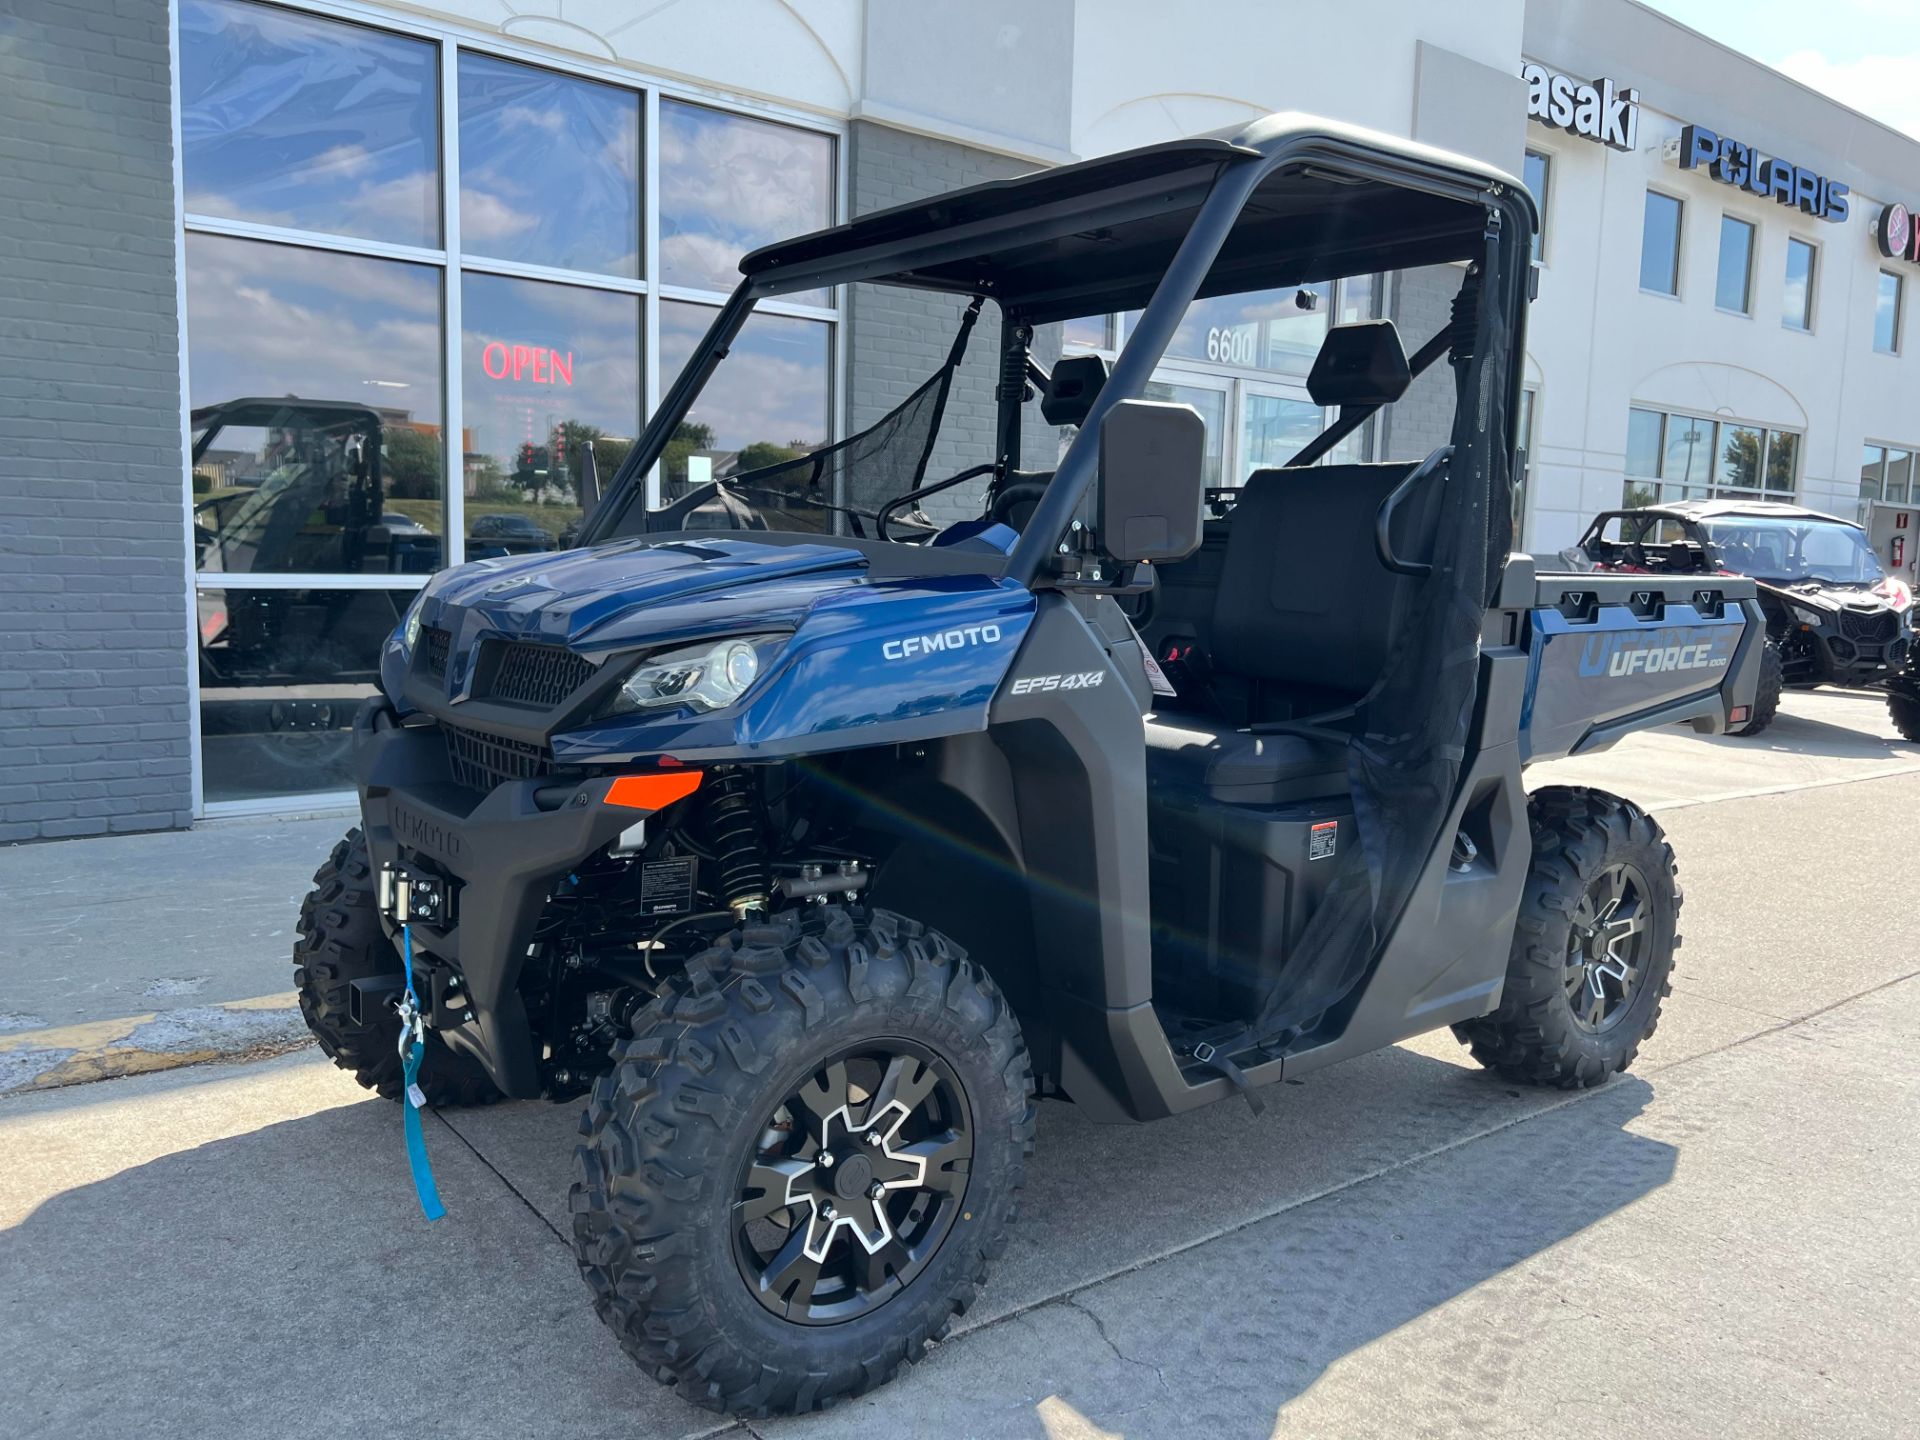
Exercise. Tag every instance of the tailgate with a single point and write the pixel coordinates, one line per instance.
(1609, 654)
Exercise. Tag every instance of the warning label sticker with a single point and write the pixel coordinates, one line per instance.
(666, 886)
(1322, 839)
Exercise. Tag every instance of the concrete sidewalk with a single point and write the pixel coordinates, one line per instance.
(1719, 1243)
(145, 952)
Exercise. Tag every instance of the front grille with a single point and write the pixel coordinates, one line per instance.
(528, 674)
(436, 642)
(481, 761)
(1869, 627)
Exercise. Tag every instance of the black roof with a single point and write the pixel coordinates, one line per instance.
(1097, 235)
(1733, 509)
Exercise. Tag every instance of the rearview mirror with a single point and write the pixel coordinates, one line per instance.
(1152, 481)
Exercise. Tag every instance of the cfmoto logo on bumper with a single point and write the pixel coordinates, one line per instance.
(957, 638)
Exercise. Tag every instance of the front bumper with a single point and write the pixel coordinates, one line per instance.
(1826, 657)
(503, 852)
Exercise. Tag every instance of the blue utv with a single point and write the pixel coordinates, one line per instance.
(814, 840)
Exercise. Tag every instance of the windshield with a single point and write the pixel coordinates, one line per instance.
(1793, 551)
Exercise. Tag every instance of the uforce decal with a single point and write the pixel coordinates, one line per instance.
(956, 639)
(1034, 684)
(1630, 655)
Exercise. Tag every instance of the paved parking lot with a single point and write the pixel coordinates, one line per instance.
(1722, 1242)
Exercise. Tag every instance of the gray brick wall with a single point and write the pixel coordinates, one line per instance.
(93, 659)
(1422, 420)
(896, 338)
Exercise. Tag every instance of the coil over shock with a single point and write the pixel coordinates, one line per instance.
(733, 834)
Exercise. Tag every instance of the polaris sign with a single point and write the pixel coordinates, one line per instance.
(1598, 111)
(1733, 163)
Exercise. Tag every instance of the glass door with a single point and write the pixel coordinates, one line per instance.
(1275, 421)
(1210, 398)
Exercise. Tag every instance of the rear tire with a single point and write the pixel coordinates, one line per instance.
(340, 941)
(1766, 701)
(1593, 946)
(726, 1103)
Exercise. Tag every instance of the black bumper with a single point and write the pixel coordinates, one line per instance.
(1835, 659)
(504, 850)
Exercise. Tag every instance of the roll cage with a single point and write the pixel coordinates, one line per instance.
(1286, 200)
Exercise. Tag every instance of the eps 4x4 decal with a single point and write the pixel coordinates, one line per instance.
(1079, 680)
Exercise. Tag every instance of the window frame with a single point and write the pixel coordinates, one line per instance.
(451, 39)
(1679, 244)
(1811, 309)
(1727, 217)
(1543, 201)
(1660, 487)
(1899, 309)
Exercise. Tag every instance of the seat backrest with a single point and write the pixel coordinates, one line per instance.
(1304, 600)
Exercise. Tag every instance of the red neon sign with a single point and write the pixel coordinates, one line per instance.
(527, 362)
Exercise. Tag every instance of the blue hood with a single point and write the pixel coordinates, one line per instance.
(870, 659)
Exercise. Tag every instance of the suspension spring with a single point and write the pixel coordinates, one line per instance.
(733, 834)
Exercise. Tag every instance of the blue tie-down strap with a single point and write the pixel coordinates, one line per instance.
(413, 1047)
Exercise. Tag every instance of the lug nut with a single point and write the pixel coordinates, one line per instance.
(826, 1158)
(826, 1212)
(873, 1137)
(876, 1190)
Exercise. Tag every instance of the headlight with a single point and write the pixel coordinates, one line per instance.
(410, 624)
(708, 676)
(1808, 617)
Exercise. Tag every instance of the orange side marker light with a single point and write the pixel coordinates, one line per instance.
(653, 792)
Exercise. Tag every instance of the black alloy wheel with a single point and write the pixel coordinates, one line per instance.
(1607, 945)
(859, 1176)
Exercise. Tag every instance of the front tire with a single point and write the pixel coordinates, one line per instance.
(804, 1161)
(340, 941)
(1592, 948)
(1766, 701)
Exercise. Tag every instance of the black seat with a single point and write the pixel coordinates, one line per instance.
(1303, 618)
(1194, 755)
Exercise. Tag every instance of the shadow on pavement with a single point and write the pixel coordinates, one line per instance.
(282, 1283)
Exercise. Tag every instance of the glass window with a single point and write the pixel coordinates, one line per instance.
(728, 185)
(281, 674)
(1660, 244)
(286, 119)
(315, 384)
(546, 370)
(1263, 330)
(1873, 466)
(1274, 427)
(1643, 442)
(1899, 476)
(1523, 470)
(1886, 314)
(770, 401)
(1359, 299)
(1539, 169)
(1212, 405)
(549, 168)
(1733, 285)
(1797, 300)
(1090, 332)
(1740, 447)
(1783, 461)
(1688, 460)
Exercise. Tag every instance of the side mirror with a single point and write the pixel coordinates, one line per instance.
(1152, 481)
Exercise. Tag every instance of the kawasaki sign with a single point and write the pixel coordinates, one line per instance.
(1595, 111)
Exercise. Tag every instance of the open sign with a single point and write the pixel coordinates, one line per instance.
(537, 363)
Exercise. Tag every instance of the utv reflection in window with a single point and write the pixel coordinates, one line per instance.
(284, 486)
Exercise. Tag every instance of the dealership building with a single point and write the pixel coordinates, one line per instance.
(461, 249)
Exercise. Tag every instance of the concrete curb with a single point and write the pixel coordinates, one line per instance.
(136, 1044)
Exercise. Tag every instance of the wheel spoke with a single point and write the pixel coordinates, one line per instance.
(771, 1179)
(824, 1094)
(791, 1275)
(882, 1268)
(906, 1083)
(1596, 1006)
(948, 1157)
